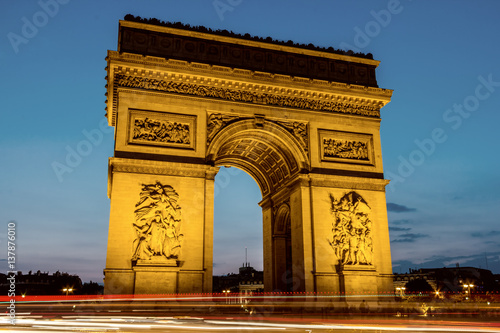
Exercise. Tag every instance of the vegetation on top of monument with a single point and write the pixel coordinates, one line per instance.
(179, 25)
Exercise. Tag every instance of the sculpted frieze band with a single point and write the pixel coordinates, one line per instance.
(236, 95)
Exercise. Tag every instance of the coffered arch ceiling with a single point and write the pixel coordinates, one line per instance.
(267, 152)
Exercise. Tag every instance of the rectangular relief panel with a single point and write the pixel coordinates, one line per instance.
(162, 129)
(346, 147)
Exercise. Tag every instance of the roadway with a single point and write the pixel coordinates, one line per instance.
(190, 313)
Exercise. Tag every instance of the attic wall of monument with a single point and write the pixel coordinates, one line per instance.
(215, 52)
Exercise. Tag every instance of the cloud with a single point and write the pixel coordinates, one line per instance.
(485, 234)
(392, 207)
(399, 222)
(409, 238)
(399, 229)
(488, 260)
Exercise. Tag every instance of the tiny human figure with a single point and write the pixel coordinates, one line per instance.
(363, 307)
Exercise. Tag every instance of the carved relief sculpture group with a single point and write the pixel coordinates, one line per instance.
(147, 129)
(157, 223)
(217, 121)
(345, 149)
(298, 130)
(351, 228)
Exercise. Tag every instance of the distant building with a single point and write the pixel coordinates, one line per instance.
(247, 281)
(43, 284)
(251, 280)
(452, 280)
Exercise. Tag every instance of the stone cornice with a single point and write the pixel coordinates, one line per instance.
(352, 183)
(263, 88)
(180, 67)
(161, 168)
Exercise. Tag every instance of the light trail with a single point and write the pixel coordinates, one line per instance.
(139, 323)
(366, 327)
(264, 312)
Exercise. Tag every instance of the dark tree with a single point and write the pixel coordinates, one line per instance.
(91, 288)
(418, 285)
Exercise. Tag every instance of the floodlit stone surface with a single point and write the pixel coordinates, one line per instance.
(313, 147)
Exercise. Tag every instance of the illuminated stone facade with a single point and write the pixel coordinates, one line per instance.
(303, 123)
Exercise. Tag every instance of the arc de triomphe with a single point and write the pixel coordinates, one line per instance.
(303, 122)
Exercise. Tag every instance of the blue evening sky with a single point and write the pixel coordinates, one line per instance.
(439, 133)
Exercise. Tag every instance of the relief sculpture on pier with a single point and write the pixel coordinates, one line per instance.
(157, 223)
(351, 229)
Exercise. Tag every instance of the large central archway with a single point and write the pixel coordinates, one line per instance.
(264, 149)
(304, 123)
(274, 158)
(238, 240)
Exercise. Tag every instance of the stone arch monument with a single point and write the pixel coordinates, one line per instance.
(303, 122)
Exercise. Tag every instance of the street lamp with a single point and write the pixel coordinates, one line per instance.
(68, 290)
(226, 292)
(468, 286)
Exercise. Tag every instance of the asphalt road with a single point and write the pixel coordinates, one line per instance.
(118, 323)
(257, 314)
